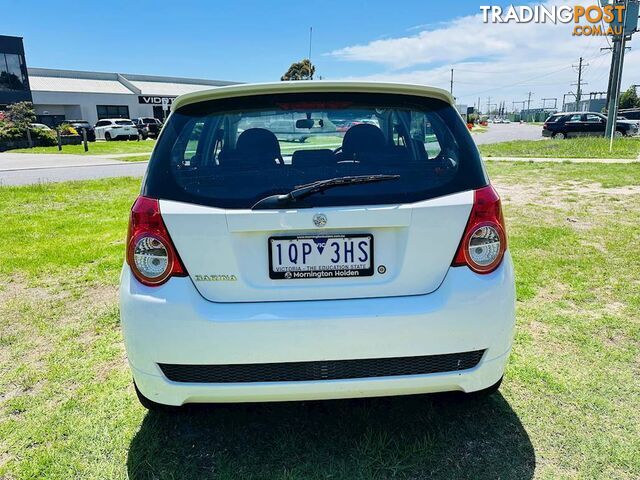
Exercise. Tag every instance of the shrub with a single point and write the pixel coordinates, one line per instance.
(67, 129)
(21, 114)
(44, 138)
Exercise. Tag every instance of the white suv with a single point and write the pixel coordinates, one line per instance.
(116, 128)
(371, 262)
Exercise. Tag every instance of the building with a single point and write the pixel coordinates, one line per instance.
(14, 79)
(60, 95)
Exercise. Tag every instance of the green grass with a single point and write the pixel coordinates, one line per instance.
(587, 147)
(568, 407)
(96, 148)
(135, 158)
(329, 141)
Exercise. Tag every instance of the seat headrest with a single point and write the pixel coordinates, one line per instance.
(258, 143)
(363, 138)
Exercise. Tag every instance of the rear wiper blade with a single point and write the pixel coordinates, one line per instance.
(302, 191)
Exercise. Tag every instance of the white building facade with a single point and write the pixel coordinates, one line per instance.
(62, 95)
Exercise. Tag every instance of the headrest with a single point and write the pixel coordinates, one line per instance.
(362, 138)
(258, 143)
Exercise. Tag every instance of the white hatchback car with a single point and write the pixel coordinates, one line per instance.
(370, 262)
(116, 128)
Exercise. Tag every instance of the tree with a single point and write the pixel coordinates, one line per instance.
(21, 115)
(302, 70)
(629, 99)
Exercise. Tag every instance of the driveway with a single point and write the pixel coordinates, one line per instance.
(504, 132)
(28, 168)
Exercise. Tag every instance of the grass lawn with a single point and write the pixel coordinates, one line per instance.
(135, 158)
(568, 407)
(586, 147)
(96, 148)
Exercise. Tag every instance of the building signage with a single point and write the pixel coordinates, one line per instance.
(155, 100)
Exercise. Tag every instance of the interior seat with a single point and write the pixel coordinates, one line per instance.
(258, 147)
(362, 138)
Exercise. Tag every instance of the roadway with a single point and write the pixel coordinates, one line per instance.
(27, 168)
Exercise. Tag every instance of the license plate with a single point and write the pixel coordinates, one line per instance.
(315, 256)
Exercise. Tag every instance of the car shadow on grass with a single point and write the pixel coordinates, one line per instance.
(422, 436)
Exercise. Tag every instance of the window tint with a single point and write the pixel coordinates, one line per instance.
(575, 118)
(124, 122)
(593, 118)
(12, 72)
(112, 111)
(233, 153)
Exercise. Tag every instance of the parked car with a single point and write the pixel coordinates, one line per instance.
(116, 129)
(581, 124)
(148, 127)
(40, 126)
(81, 125)
(378, 268)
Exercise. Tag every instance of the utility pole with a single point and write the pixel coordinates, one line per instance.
(529, 106)
(310, 38)
(489, 106)
(615, 77)
(451, 84)
(478, 105)
(580, 66)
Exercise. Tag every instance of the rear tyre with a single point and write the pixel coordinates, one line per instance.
(486, 392)
(107, 137)
(559, 135)
(618, 134)
(154, 406)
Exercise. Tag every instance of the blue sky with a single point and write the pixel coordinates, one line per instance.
(236, 40)
(413, 41)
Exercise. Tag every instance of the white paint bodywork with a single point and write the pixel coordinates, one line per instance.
(419, 306)
(414, 242)
(114, 130)
(173, 323)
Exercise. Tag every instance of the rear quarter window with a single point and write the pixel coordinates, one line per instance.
(232, 153)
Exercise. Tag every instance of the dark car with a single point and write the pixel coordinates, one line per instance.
(81, 125)
(148, 126)
(583, 124)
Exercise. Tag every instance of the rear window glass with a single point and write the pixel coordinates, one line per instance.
(124, 122)
(232, 153)
(554, 118)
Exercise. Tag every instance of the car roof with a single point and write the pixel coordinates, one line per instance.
(310, 86)
(113, 119)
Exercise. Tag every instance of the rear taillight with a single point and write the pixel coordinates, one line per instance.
(484, 241)
(150, 251)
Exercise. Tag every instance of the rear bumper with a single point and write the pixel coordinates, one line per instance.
(174, 324)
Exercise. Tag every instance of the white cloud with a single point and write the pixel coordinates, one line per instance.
(502, 60)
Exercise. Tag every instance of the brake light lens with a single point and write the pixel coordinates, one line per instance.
(484, 241)
(150, 251)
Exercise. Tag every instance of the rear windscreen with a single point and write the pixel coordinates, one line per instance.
(232, 153)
